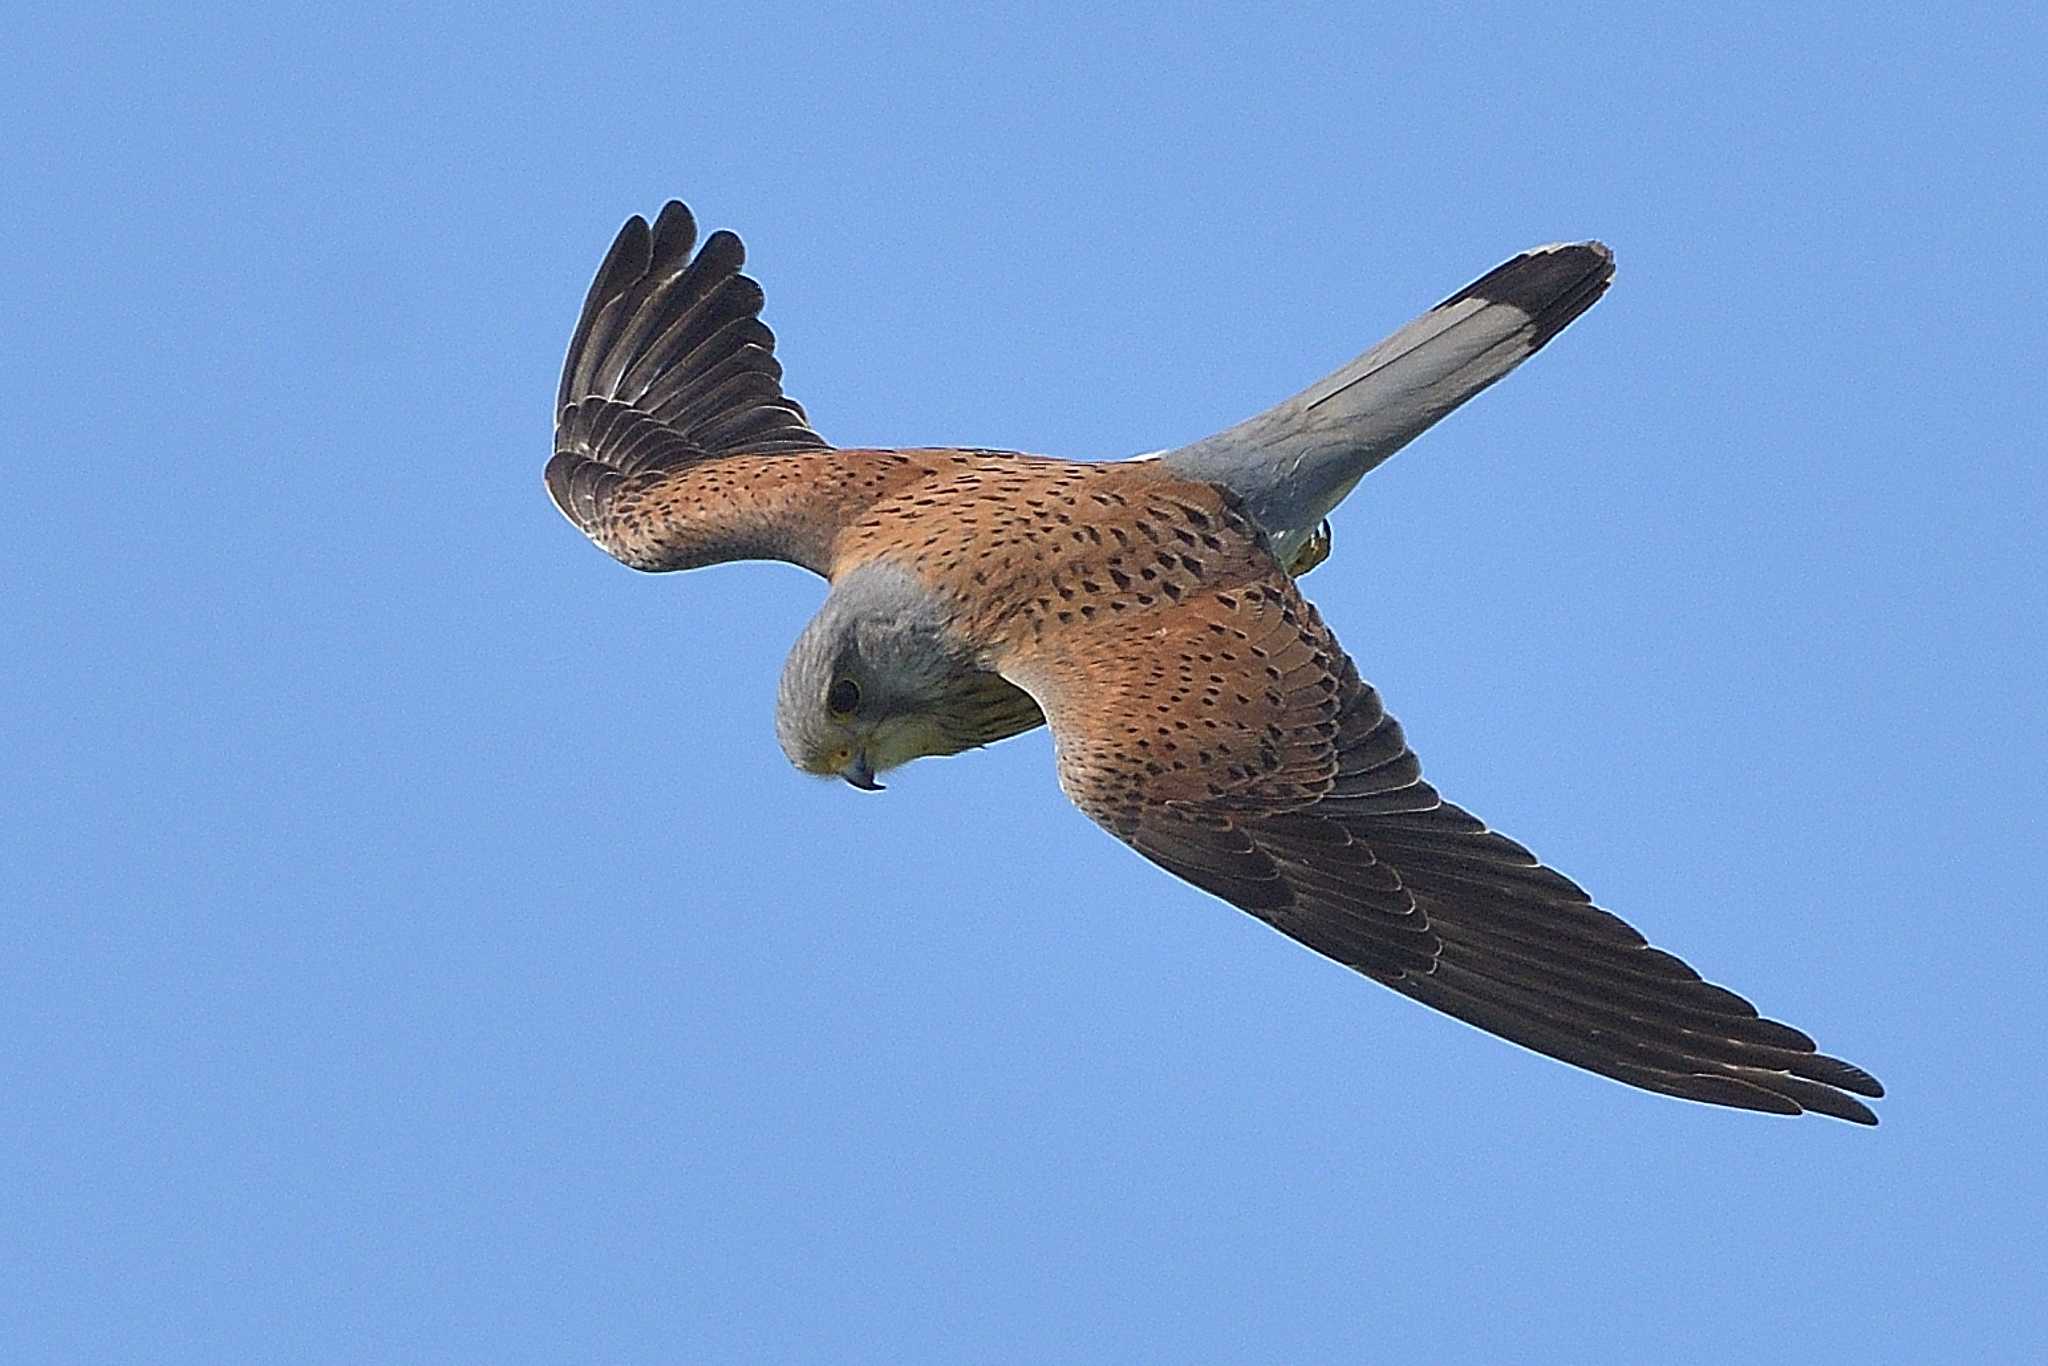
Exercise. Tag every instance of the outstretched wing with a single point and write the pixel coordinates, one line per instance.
(1229, 739)
(671, 367)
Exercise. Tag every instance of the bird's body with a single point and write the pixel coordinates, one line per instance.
(1026, 543)
(1201, 710)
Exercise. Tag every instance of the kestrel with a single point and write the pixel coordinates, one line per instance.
(1147, 610)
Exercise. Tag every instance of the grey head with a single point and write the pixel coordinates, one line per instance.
(879, 678)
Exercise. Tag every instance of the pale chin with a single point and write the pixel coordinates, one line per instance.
(900, 739)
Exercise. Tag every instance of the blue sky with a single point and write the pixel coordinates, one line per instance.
(415, 946)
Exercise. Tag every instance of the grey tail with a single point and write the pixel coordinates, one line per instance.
(1294, 462)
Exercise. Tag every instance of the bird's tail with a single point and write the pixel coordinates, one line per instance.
(1296, 461)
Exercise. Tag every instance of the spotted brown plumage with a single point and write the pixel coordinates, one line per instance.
(1228, 738)
(1202, 711)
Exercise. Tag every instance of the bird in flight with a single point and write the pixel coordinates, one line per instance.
(1147, 610)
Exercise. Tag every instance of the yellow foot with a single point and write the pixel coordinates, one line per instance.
(1312, 553)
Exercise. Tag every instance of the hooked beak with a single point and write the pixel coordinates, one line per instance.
(859, 773)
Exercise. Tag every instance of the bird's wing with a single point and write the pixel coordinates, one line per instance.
(1228, 738)
(670, 369)
(1294, 462)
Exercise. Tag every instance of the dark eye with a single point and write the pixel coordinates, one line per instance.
(843, 698)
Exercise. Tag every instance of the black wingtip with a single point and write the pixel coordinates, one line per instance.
(1846, 1076)
(675, 223)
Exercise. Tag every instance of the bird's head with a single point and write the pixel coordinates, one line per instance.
(872, 681)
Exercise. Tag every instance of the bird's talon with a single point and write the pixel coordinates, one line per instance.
(1313, 551)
